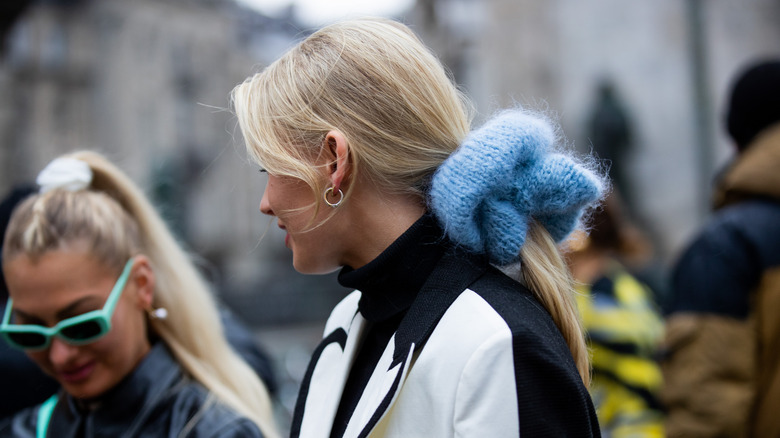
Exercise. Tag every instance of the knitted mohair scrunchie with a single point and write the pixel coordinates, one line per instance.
(501, 176)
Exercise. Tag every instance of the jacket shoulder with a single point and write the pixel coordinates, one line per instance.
(724, 263)
(196, 412)
(20, 425)
(514, 302)
(548, 387)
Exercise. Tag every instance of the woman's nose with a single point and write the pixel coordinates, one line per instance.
(60, 352)
(265, 206)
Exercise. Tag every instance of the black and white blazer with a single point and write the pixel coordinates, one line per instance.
(475, 356)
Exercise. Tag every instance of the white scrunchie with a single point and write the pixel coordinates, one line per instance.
(65, 173)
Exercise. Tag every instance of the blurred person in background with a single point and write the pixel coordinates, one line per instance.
(18, 374)
(722, 369)
(372, 170)
(104, 300)
(21, 376)
(623, 325)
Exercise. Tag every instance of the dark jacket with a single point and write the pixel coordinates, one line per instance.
(21, 376)
(722, 371)
(469, 353)
(156, 400)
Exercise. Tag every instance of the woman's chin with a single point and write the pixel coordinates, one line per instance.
(308, 268)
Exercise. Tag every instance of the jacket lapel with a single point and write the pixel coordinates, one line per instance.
(454, 273)
(380, 392)
(324, 381)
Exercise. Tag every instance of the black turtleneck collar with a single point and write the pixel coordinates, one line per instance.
(390, 282)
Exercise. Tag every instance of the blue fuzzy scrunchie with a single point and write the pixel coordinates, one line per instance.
(501, 176)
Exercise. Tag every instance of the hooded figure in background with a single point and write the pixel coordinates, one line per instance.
(722, 370)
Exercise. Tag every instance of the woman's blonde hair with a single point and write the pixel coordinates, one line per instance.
(373, 81)
(544, 271)
(402, 116)
(116, 221)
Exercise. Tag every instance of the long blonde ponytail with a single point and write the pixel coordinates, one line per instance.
(545, 273)
(193, 329)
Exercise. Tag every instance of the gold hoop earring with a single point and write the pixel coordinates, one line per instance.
(329, 192)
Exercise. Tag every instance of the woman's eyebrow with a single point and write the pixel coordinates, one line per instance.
(70, 309)
(27, 317)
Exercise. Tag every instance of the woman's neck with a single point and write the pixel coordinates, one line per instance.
(374, 221)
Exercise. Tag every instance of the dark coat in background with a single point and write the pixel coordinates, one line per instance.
(722, 370)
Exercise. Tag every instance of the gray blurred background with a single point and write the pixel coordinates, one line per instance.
(147, 82)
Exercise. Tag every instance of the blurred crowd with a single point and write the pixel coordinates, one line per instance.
(700, 359)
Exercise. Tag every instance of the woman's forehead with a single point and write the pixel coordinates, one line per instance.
(56, 280)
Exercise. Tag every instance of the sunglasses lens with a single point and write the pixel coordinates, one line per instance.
(27, 340)
(82, 331)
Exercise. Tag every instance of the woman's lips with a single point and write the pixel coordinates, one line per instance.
(75, 375)
(286, 236)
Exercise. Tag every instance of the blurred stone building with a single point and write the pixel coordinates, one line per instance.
(147, 83)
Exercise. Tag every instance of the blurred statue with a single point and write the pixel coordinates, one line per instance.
(609, 131)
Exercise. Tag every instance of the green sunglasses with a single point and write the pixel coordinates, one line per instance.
(78, 330)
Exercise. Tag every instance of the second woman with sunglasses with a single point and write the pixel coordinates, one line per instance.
(104, 300)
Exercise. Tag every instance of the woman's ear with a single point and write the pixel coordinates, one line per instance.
(337, 151)
(143, 279)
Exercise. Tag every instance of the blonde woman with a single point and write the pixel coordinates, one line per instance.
(372, 170)
(104, 300)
